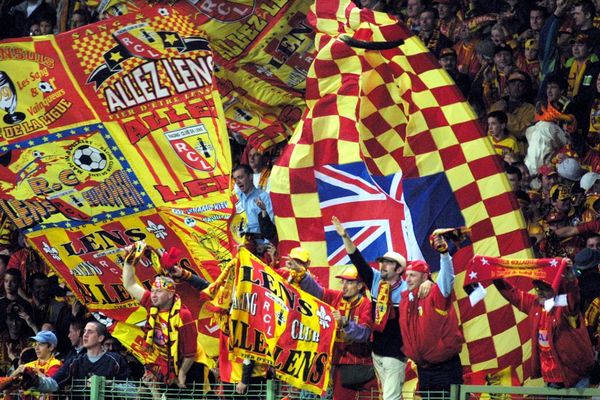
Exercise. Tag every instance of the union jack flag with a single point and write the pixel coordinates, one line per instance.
(372, 219)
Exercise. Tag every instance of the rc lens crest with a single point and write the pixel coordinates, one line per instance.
(193, 145)
(141, 41)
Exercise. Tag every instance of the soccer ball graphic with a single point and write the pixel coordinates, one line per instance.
(103, 319)
(45, 87)
(89, 158)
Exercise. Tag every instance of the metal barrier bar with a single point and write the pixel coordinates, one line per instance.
(97, 384)
(100, 388)
(467, 390)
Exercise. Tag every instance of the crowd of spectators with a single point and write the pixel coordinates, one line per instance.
(529, 69)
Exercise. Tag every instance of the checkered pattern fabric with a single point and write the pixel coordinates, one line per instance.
(397, 111)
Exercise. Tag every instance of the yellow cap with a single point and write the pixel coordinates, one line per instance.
(300, 254)
(349, 274)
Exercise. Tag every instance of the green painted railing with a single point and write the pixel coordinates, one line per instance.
(99, 388)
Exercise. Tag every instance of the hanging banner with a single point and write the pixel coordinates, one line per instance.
(278, 324)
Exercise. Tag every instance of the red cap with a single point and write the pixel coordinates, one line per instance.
(418, 266)
(547, 170)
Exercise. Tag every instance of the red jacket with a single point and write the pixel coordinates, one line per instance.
(345, 350)
(429, 327)
(568, 338)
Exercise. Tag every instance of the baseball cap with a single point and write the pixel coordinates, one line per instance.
(45, 337)
(349, 274)
(393, 256)
(582, 38)
(555, 216)
(546, 170)
(447, 51)
(588, 179)
(531, 44)
(418, 266)
(501, 48)
(570, 169)
(300, 254)
(587, 259)
(517, 76)
(560, 192)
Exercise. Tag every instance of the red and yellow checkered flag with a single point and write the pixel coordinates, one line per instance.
(389, 145)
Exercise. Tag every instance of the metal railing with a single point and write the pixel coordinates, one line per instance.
(472, 392)
(100, 388)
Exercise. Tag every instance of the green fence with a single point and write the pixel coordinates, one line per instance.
(99, 388)
(470, 392)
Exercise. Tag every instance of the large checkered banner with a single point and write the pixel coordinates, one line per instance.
(111, 134)
(390, 147)
(275, 323)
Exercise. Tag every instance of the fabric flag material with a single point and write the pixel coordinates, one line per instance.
(111, 134)
(263, 49)
(389, 146)
(486, 269)
(278, 324)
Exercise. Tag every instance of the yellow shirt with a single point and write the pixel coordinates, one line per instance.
(506, 145)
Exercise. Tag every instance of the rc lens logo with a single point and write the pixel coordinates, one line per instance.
(226, 10)
(90, 158)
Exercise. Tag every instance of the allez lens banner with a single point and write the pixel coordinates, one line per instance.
(110, 134)
(278, 324)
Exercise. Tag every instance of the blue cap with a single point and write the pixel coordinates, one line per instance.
(45, 337)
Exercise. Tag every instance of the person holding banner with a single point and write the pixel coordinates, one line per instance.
(245, 378)
(562, 353)
(386, 285)
(352, 364)
(429, 325)
(170, 326)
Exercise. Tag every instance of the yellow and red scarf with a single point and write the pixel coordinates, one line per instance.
(174, 323)
(383, 306)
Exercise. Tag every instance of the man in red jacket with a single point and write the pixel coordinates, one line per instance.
(429, 325)
(561, 351)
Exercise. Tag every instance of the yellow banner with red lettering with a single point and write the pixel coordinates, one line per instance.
(278, 324)
(115, 133)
